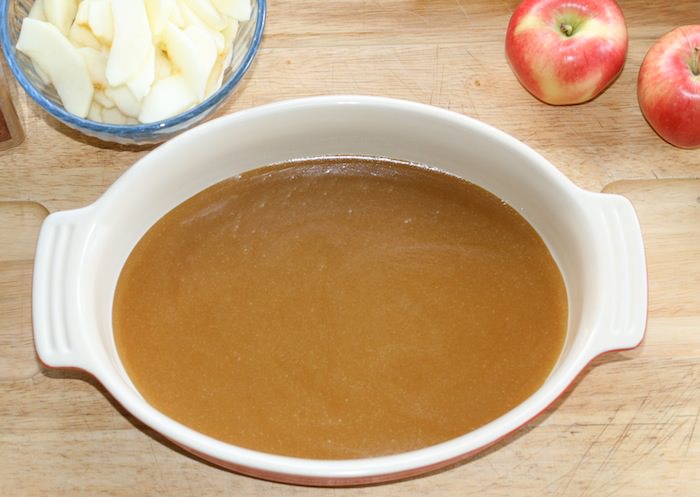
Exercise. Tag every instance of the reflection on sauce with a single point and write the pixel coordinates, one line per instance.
(339, 308)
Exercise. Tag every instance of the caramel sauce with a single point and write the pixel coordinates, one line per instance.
(339, 308)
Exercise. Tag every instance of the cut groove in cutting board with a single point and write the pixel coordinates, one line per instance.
(19, 228)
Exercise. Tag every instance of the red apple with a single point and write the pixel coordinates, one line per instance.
(668, 87)
(566, 52)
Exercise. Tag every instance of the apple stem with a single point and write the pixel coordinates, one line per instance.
(567, 29)
(695, 62)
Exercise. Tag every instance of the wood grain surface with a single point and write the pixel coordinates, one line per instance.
(627, 427)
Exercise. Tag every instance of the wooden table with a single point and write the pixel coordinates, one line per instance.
(627, 427)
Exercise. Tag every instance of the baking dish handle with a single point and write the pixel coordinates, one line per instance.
(58, 330)
(623, 276)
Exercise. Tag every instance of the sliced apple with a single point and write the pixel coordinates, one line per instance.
(189, 16)
(101, 21)
(95, 112)
(82, 15)
(131, 43)
(125, 101)
(230, 32)
(113, 115)
(163, 66)
(168, 97)
(159, 12)
(185, 55)
(96, 62)
(238, 9)
(44, 43)
(176, 16)
(61, 13)
(205, 46)
(215, 78)
(37, 11)
(207, 13)
(80, 36)
(228, 57)
(219, 40)
(103, 99)
(140, 83)
(118, 60)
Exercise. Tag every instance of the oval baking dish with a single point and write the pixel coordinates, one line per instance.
(594, 238)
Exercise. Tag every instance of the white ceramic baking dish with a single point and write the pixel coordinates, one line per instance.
(595, 239)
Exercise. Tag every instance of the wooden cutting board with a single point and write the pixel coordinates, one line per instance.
(629, 424)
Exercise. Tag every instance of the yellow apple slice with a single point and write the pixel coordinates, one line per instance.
(102, 99)
(81, 36)
(125, 101)
(95, 112)
(238, 9)
(82, 15)
(188, 15)
(187, 56)
(168, 97)
(49, 49)
(101, 21)
(113, 115)
(37, 11)
(228, 57)
(163, 66)
(215, 78)
(205, 46)
(61, 13)
(140, 83)
(159, 12)
(230, 32)
(96, 62)
(178, 46)
(176, 17)
(229, 35)
(219, 40)
(189, 18)
(131, 43)
(207, 13)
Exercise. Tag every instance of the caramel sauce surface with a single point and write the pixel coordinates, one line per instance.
(339, 308)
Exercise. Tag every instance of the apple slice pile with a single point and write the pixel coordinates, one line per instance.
(131, 61)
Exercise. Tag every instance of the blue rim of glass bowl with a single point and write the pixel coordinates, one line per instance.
(128, 130)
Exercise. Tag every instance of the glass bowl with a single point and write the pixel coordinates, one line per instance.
(246, 44)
